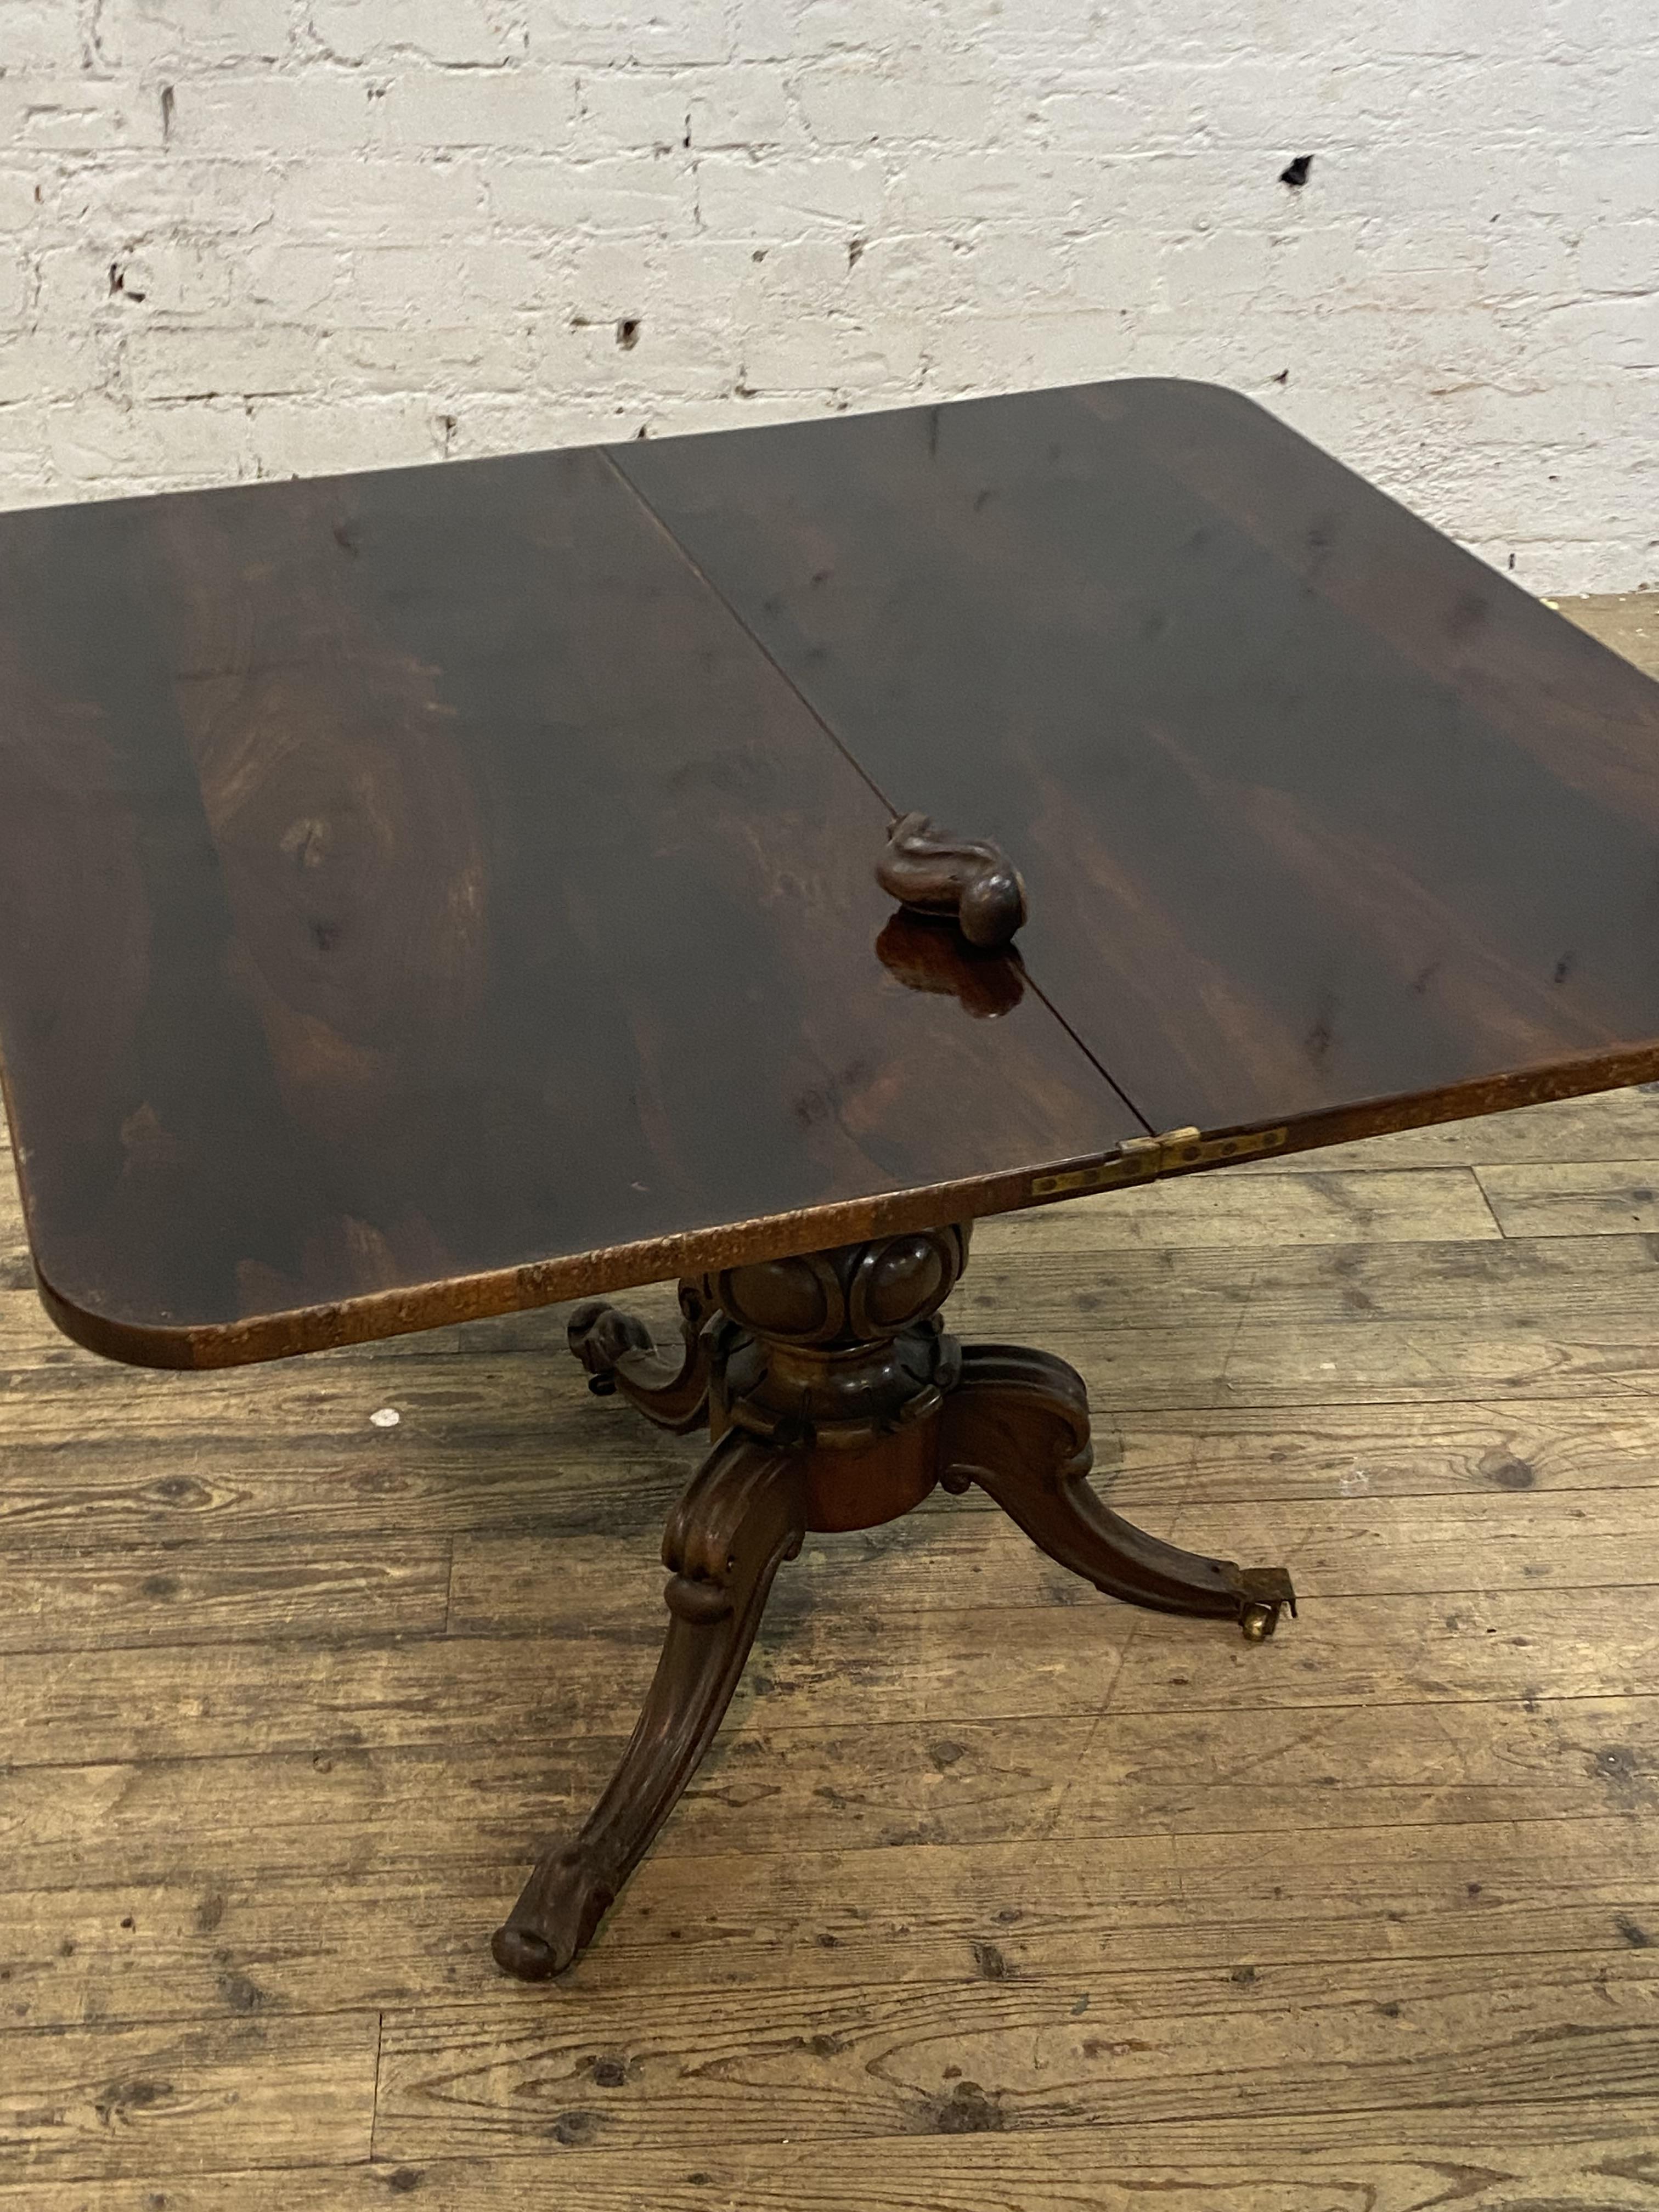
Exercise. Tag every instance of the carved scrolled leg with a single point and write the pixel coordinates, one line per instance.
(620, 1353)
(1018, 1425)
(742, 1515)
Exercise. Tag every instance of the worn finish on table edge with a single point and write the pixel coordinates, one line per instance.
(405, 1309)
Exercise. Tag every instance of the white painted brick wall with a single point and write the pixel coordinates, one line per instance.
(255, 237)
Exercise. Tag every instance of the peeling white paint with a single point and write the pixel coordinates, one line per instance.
(274, 236)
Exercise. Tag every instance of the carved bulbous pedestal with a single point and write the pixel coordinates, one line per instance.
(836, 1400)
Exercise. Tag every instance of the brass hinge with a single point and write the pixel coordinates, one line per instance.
(1143, 1160)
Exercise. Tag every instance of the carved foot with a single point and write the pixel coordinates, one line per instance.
(742, 1515)
(620, 1353)
(1018, 1425)
(554, 1918)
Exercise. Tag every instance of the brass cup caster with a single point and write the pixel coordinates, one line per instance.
(1263, 1592)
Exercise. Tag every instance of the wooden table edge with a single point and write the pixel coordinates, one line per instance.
(407, 1308)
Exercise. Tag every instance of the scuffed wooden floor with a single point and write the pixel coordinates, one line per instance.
(994, 1896)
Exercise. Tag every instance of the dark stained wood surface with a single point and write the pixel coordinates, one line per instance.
(418, 898)
(1313, 808)
(426, 894)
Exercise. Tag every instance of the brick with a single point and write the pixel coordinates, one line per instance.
(612, 33)
(738, 107)
(295, 437)
(1616, 333)
(1475, 28)
(500, 110)
(125, 198)
(19, 209)
(795, 279)
(131, 285)
(743, 198)
(786, 30)
(294, 284)
(612, 276)
(234, 362)
(143, 35)
(323, 112)
(26, 470)
(101, 446)
(39, 365)
(1317, 259)
(875, 106)
(625, 193)
(638, 110)
(1215, 267)
(486, 356)
(177, 276)
(14, 286)
(378, 200)
(1002, 184)
(631, 111)
(534, 419)
(450, 31)
(842, 356)
(716, 280)
(38, 35)
(1007, 264)
(908, 275)
(1120, 32)
(1118, 268)
(41, 114)
(1620, 257)
(1529, 258)
(385, 285)
(672, 353)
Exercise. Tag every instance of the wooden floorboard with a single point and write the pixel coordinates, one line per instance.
(1550, 2157)
(993, 1896)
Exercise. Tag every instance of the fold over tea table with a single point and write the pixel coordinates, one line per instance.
(750, 859)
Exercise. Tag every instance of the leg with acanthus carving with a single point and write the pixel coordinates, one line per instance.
(740, 1519)
(1018, 1425)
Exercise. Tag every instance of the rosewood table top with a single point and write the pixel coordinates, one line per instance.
(435, 892)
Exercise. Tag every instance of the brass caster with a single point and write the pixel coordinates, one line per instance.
(1262, 1593)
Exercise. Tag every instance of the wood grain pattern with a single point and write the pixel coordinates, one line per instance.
(332, 1937)
(249, 1593)
(411, 882)
(1172, 2047)
(1311, 805)
(1588, 1199)
(182, 2098)
(172, 1702)
(1312, 1207)
(221, 1833)
(1571, 2160)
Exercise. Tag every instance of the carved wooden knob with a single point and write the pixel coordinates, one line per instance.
(937, 874)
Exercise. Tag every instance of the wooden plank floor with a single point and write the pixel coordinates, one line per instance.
(994, 1896)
